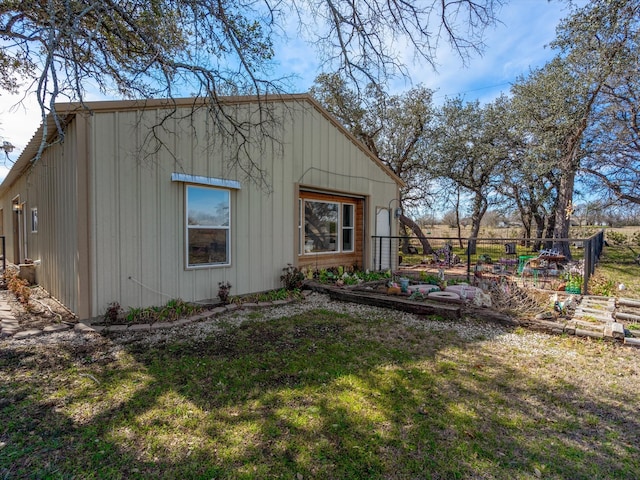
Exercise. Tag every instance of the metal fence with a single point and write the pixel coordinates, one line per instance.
(542, 262)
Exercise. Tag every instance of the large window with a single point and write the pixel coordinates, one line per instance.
(208, 223)
(328, 227)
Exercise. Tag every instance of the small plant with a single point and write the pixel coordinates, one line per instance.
(417, 296)
(223, 291)
(429, 278)
(484, 258)
(112, 313)
(601, 285)
(617, 238)
(134, 315)
(574, 283)
(19, 286)
(292, 277)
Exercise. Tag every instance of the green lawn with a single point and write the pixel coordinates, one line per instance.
(617, 265)
(334, 392)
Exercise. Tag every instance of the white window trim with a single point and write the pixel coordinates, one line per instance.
(352, 227)
(34, 216)
(187, 227)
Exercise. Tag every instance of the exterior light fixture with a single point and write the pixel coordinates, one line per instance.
(16, 207)
(398, 211)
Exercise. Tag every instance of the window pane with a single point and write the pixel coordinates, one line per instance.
(320, 226)
(347, 239)
(207, 207)
(347, 215)
(208, 245)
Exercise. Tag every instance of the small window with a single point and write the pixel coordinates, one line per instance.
(34, 220)
(347, 227)
(208, 226)
(300, 238)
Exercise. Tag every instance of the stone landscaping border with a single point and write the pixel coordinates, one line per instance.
(9, 325)
(594, 317)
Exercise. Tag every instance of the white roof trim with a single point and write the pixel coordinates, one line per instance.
(211, 181)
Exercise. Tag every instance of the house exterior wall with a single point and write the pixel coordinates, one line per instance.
(112, 220)
(138, 229)
(51, 186)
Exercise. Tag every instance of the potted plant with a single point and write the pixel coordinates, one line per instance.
(223, 291)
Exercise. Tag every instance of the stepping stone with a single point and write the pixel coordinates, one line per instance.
(617, 329)
(598, 311)
(580, 324)
(7, 322)
(218, 311)
(589, 333)
(591, 316)
(4, 307)
(282, 302)
(160, 325)
(84, 328)
(56, 328)
(32, 332)
(634, 342)
(117, 328)
(140, 327)
(627, 316)
(629, 302)
(7, 332)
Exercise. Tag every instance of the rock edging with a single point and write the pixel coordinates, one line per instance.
(9, 325)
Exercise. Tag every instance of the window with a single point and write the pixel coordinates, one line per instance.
(328, 227)
(208, 226)
(34, 220)
(347, 227)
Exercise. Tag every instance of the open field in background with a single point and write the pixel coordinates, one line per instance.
(513, 232)
(617, 266)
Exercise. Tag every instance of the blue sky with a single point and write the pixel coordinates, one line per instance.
(512, 48)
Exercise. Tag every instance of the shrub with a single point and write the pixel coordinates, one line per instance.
(112, 313)
(19, 286)
(223, 291)
(292, 277)
(617, 238)
(601, 285)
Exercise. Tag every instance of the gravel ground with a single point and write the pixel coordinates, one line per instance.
(49, 311)
(467, 329)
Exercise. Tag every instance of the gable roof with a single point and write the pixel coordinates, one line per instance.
(68, 111)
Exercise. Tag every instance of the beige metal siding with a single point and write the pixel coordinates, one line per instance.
(126, 243)
(51, 187)
(138, 227)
